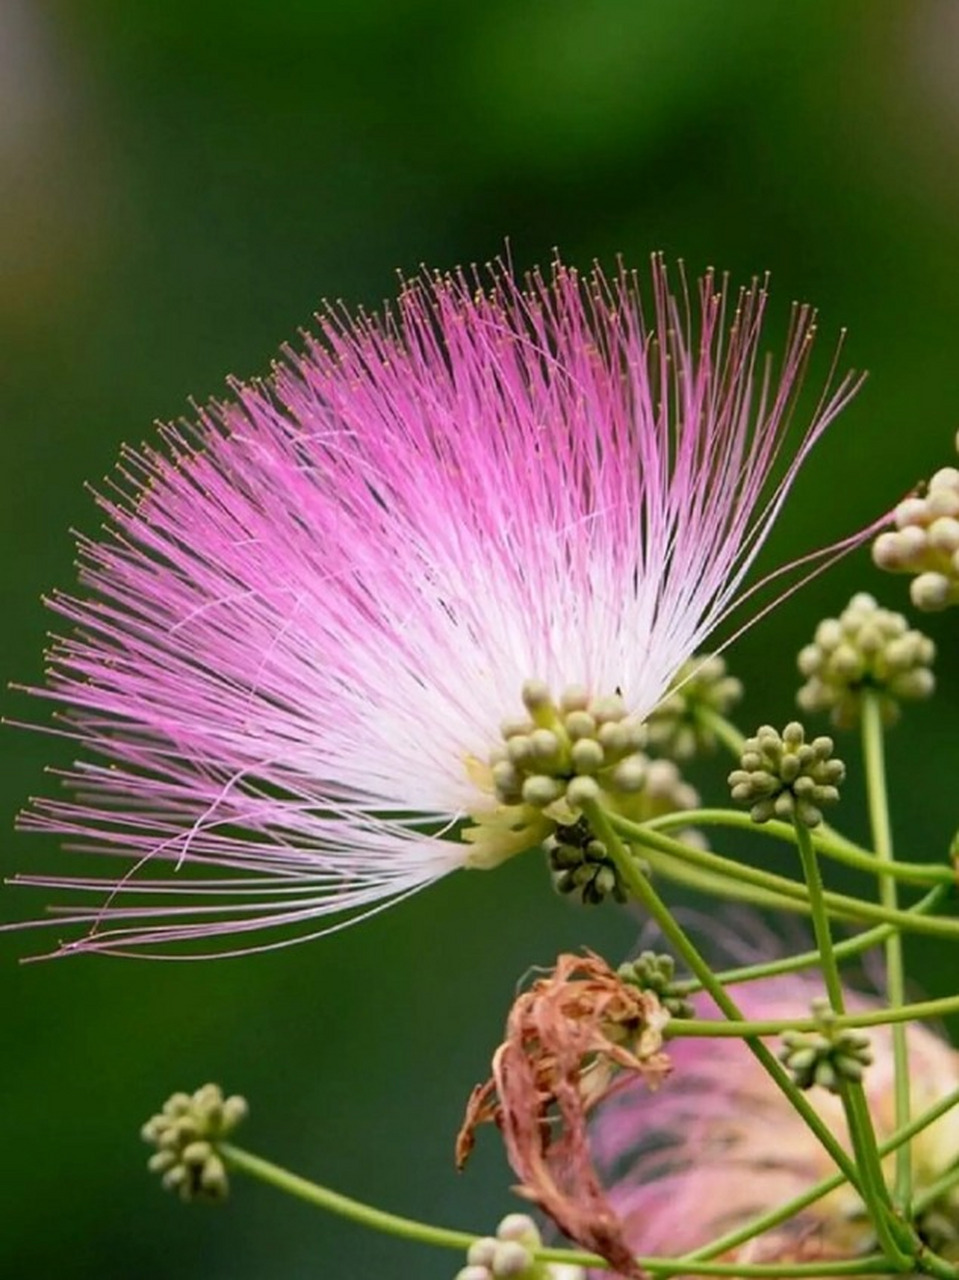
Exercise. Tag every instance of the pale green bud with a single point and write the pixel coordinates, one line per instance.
(865, 649)
(186, 1133)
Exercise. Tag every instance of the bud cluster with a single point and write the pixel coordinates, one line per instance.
(926, 542)
(576, 737)
(783, 776)
(578, 861)
(827, 1057)
(510, 1254)
(866, 647)
(579, 865)
(678, 727)
(185, 1134)
(655, 972)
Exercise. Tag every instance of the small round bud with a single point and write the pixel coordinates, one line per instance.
(579, 724)
(506, 780)
(544, 745)
(480, 1252)
(587, 756)
(931, 592)
(629, 775)
(511, 1259)
(521, 1227)
(519, 750)
(540, 791)
(583, 791)
(536, 695)
(910, 511)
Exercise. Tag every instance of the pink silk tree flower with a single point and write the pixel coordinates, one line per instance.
(718, 1144)
(312, 609)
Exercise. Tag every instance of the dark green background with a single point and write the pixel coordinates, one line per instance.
(180, 184)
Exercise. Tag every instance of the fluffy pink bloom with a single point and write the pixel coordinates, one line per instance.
(718, 1144)
(313, 608)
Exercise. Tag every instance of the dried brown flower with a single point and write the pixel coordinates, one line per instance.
(567, 1038)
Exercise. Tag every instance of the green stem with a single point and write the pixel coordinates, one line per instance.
(715, 1028)
(324, 1198)
(722, 729)
(646, 895)
(874, 756)
(858, 1119)
(934, 1190)
(409, 1229)
(831, 845)
(766, 1221)
(838, 904)
(718, 884)
(809, 959)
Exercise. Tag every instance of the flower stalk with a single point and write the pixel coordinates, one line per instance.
(877, 797)
(875, 1194)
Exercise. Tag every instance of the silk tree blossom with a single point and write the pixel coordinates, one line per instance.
(313, 608)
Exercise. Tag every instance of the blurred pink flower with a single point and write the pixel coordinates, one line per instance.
(719, 1144)
(312, 609)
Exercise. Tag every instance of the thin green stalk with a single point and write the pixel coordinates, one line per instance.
(809, 959)
(722, 729)
(644, 893)
(714, 1028)
(409, 1229)
(874, 757)
(870, 1266)
(858, 1120)
(851, 855)
(766, 1221)
(324, 1198)
(721, 885)
(934, 1190)
(838, 904)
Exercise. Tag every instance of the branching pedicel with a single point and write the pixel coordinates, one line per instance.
(534, 503)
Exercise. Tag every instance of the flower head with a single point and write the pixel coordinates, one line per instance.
(313, 608)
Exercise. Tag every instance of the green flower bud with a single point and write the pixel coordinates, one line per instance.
(652, 972)
(865, 649)
(827, 1057)
(186, 1133)
(783, 776)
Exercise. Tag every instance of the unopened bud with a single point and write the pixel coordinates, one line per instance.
(186, 1133)
(865, 650)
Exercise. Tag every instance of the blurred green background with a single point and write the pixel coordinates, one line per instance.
(180, 185)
